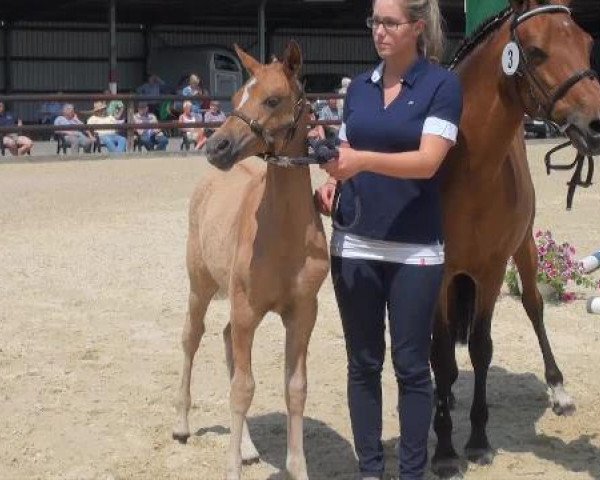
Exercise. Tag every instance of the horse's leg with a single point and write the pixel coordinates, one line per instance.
(445, 462)
(478, 448)
(249, 452)
(299, 322)
(527, 263)
(201, 293)
(243, 326)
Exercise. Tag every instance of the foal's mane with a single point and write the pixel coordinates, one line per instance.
(482, 32)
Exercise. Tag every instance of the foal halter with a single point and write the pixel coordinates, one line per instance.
(524, 70)
(267, 135)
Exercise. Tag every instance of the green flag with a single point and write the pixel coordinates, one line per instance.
(479, 10)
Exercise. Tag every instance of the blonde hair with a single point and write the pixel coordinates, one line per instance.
(432, 41)
(186, 103)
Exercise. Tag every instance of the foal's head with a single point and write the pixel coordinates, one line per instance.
(554, 79)
(268, 110)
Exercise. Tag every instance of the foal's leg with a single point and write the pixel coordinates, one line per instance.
(199, 298)
(249, 452)
(526, 260)
(243, 326)
(445, 462)
(299, 322)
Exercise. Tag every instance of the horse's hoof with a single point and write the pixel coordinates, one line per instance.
(564, 410)
(448, 468)
(181, 437)
(250, 460)
(561, 401)
(480, 456)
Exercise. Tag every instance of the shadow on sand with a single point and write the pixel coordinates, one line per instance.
(516, 401)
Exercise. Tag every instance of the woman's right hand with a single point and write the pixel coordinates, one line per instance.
(324, 197)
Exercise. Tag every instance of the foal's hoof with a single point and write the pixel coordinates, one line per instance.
(181, 437)
(448, 468)
(480, 456)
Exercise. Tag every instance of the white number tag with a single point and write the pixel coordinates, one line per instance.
(510, 59)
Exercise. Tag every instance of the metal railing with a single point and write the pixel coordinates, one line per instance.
(130, 100)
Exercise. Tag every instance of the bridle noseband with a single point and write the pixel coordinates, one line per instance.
(524, 70)
(267, 136)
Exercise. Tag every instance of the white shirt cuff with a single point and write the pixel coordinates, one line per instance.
(440, 127)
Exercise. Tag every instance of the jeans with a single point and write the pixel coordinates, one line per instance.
(364, 290)
(113, 142)
(77, 140)
(151, 140)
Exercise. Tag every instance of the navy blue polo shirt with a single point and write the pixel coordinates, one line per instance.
(395, 209)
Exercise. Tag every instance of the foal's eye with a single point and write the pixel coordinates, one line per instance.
(536, 55)
(272, 102)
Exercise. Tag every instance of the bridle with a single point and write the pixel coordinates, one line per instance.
(547, 104)
(268, 136)
(322, 153)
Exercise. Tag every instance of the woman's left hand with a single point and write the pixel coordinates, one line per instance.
(348, 164)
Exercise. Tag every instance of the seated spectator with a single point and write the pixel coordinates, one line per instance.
(315, 131)
(75, 139)
(154, 86)
(49, 111)
(342, 90)
(195, 89)
(16, 143)
(115, 108)
(214, 114)
(193, 134)
(152, 137)
(109, 138)
(331, 112)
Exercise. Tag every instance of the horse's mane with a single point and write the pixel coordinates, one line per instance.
(469, 43)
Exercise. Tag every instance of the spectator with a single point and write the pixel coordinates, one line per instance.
(195, 89)
(214, 114)
(109, 138)
(316, 132)
(49, 111)
(17, 144)
(150, 138)
(342, 90)
(115, 108)
(154, 86)
(193, 134)
(331, 112)
(75, 139)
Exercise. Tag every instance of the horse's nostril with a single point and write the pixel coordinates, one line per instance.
(595, 126)
(223, 145)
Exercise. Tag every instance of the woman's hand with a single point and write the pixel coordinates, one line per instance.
(348, 164)
(324, 197)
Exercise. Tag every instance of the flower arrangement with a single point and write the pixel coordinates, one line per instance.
(556, 268)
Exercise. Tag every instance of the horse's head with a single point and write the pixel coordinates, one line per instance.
(268, 110)
(554, 78)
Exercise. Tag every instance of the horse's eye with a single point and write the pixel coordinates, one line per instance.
(536, 55)
(272, 102)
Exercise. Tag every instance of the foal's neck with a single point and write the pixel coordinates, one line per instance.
(290, 187)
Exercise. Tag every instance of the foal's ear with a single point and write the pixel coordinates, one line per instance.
(249, 62)
(292, 58)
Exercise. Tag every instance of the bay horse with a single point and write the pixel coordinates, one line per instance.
(255, 234)
(488, 195)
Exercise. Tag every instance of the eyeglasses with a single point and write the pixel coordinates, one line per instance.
(389, 25)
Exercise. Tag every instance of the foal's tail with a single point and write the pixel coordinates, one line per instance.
(464, 307)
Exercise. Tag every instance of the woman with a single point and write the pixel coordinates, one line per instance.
(193, 134)
(399, 122)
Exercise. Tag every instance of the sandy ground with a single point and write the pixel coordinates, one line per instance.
(92, 302)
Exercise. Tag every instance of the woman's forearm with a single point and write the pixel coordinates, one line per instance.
(414, 164)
